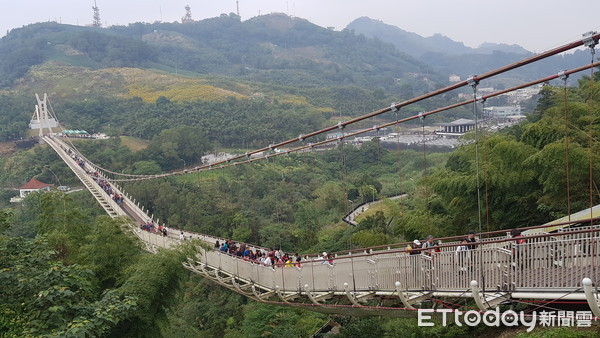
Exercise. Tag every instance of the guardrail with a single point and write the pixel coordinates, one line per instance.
(544, 263)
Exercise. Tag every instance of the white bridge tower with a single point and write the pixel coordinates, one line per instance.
(43, 117)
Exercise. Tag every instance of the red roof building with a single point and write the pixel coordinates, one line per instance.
(32, 186)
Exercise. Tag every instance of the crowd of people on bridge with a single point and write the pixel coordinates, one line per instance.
(105, 185)
(429, 247)
(467, 244)
(149, 226)
(272, 257)
(75, 158)
(108, 189)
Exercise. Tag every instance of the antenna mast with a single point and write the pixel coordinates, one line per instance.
(97, 22)
(188, 15)
(237, 3)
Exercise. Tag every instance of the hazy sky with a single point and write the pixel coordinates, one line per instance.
(537, 25)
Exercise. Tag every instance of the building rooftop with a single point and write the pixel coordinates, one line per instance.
(35, 184)
(459, 122)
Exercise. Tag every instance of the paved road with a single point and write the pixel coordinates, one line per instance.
(351, 218)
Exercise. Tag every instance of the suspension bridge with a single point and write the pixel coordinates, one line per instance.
(556, 262)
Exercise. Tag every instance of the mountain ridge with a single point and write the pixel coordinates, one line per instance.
(451, 57)
(417, 45)
(272, 48)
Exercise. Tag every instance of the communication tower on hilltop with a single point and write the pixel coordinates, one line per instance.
(237, 3)
(97, 22)
(188, 15)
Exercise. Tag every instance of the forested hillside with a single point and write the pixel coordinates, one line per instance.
(296, 202)
(181, 91)
(524, 166)
(216, 74)
(274, 48)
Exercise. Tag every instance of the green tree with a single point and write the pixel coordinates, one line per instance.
(241, 228)
(330, 196)
(267, 320)
(108, 250)
(179, 146)
(5, 217)
(368, 193)
(307, 219)
(63, 223)
(42, 296)
(145, 168)
(153, 281)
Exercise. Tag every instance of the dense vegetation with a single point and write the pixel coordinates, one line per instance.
(91, 288)
(14, 122)
(280, 72)
(69, 270)
(301, 193)
(274, 49)
(85, 276)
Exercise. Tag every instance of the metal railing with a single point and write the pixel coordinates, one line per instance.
(542, 263)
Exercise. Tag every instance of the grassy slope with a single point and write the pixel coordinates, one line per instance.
(372, 210)
(64, 81)
(134, 143)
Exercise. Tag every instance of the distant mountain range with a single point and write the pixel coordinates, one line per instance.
(453, 57)
(284, 53)
(417, 46)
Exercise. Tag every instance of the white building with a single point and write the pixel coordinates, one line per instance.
(453, 78)
(456, 128)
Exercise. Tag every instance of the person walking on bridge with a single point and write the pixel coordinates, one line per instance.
(412, 248)
(471, 239)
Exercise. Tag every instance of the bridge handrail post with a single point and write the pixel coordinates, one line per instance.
(352, 267)
(312, 272)
(282, 276)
